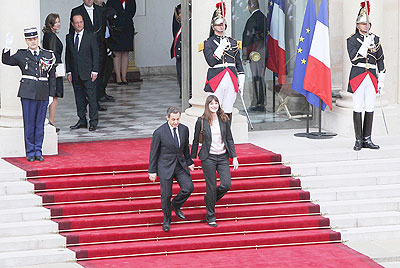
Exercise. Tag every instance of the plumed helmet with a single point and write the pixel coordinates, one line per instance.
(219, 15)
(363, 13)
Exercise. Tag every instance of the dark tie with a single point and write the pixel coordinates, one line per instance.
(176, 138)
(77, 42)
(35, 55)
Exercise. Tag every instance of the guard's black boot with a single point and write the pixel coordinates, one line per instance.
(367, 142)
(357, 121)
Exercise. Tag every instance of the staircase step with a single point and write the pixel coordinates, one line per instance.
(196, 229)
(15, 188)
(347, 180)
(360, 206)
(223, 241)
(154, 190)
(13, 229)
(36, 257)
(19, 201)
(10, 173)
(370, 233)
(365, 219)
(133, 178)
(359, 192)
(345, 167)
(191, 215)
(24, 214)
(22, 243)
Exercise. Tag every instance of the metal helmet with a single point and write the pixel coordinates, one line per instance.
(362, 14)
(219, 15)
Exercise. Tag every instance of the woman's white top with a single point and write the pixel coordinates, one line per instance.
(217, 145)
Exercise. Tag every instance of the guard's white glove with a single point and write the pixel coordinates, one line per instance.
(224, 43)
(367, 43)
(9, 42)
(241, 79)
(381, 82)
(50, 100)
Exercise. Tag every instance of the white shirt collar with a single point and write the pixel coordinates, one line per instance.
(80, 33)
(88, 8)
(32, 51)
(254, 11)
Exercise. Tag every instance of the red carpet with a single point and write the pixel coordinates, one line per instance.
(115, 212)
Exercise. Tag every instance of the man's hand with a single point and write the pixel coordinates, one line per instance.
(94, 76)
(191, 167)
(235, 163)
(69, 76)
(153, 177)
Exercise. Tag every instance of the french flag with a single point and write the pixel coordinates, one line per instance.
(276, 40)
(317, 79)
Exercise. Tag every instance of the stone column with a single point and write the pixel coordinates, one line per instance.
(18, 16)
(342, 25)
(201, 18)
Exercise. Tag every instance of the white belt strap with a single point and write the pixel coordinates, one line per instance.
(35, 78)
(223, 65)
(365, 65)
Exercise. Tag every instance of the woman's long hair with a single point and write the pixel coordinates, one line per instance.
(49, 22)
(208, 114)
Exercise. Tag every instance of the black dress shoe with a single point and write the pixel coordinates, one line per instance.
(102, 109)
(92, 128)
(30, 158)
(109, 97)
(125, 83)
(178, 212)
(39, 158)
(78, 125)
(212, 223)
(165, 226)
(105, 99)
(120, 83)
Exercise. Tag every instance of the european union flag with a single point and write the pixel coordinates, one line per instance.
(303, 50)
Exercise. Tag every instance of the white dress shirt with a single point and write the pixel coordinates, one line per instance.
(90, 10)
(80, 38)
(177, 133)
(217, 145)
(37, 51)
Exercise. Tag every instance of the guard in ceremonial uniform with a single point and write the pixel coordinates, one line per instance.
(225, 77)
(38, 86)
(367, 77)
(177, 44)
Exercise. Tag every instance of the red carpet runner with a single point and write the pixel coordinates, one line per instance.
(110, 213)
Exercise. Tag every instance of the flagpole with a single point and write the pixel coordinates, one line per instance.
(273, 92)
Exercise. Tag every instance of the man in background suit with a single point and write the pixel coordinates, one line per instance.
(255, 51)
(169, 159)
(94, 21)
(82, 66)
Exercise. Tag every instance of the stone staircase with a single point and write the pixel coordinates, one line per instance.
(27, 235)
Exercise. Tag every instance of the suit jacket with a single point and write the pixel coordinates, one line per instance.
(375, 57)
(165, 155)
(98, 25)
(255, 34)
(207, 139)
(31, 88)
(85, 61)
(231, 56)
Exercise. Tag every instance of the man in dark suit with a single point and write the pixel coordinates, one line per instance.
(255, 51)
(177, 45)
(169, 159)
(82, 66)
(37, 84)
(94, 20)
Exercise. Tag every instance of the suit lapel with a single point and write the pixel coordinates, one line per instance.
(168, 130)
(222, 127)
(30, 55)
(82, 41)
(180, 131)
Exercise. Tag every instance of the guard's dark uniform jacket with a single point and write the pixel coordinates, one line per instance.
(362, 66)
(230, 62)
(38, 80)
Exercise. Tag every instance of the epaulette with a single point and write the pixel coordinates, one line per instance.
(200, 46)
(239, 43)
(47, 50)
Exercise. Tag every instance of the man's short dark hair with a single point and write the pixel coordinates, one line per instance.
(72, 18)
(173, 110)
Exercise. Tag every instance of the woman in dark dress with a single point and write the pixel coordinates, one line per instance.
(52, 42)
(122, 36)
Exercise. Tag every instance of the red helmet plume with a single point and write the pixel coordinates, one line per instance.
(368, 6)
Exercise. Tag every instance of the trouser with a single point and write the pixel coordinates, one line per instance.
(210, 166)
(257, 71)
(100, 90)
(85, 92)
(185, 182)
(107, 69)
(34, 114)
(179, 75)
(225, 93)
(365, 95)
